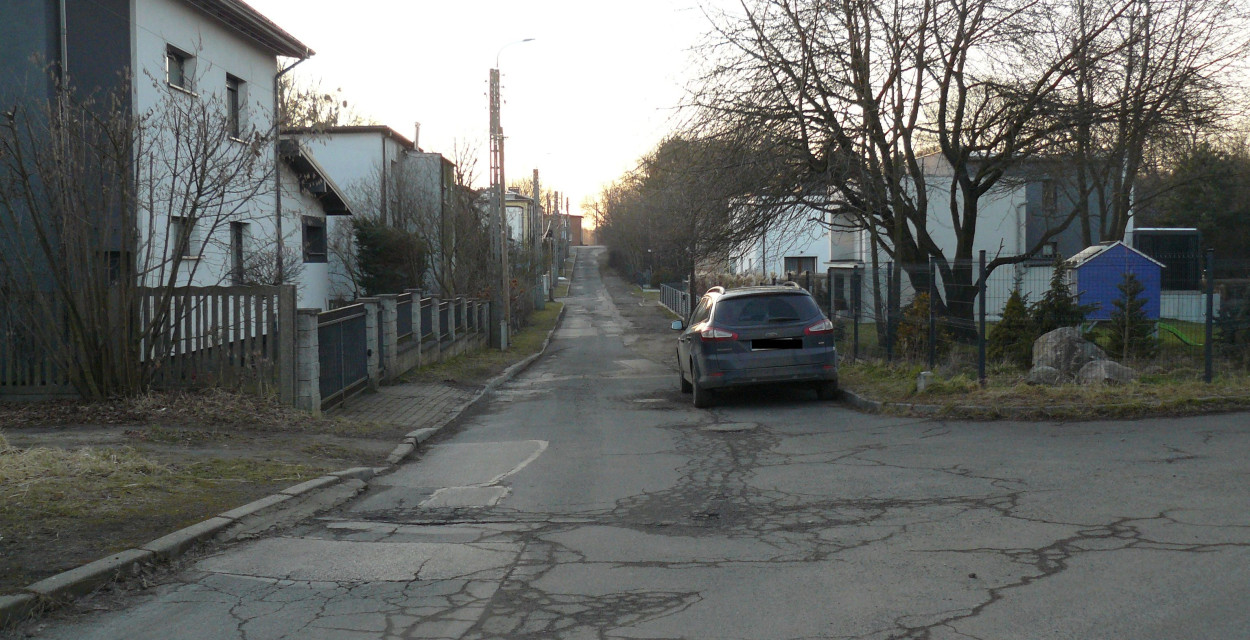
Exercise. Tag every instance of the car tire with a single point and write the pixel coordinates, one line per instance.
(701, 396)
(827, 390)
(686, 387)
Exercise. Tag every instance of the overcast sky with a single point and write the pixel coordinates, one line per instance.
(592, 93)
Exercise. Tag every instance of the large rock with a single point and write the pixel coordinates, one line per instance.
(1105, 372)
(1064, 349)
(1048, 376)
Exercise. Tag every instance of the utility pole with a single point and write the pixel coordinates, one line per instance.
(500, 311)
(551, 274)
(535, 261)
(501, 300)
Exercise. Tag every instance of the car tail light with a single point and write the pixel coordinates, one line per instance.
(714, 334)
(824, 327)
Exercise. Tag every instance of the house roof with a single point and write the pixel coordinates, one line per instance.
(354, 129)
(313, 178)
(248, 21)
(1089, 253)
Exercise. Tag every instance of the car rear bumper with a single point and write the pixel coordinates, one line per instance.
(718, 378)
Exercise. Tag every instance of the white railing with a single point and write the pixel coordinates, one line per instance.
(675, 300)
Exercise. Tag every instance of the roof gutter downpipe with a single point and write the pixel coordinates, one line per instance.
(277, 168)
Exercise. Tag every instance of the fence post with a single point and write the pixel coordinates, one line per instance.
(287, 340)
(856, 300)
(436, 328)
(932, 316)
(829, 302)
(415, 307)
(372, 332)
(307, 362)
(1208, 349)
(981, 289)
(389, 324)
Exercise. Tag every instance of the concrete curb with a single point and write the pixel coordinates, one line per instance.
(46, 594)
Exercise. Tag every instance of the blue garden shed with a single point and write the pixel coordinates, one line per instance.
(1098, 271)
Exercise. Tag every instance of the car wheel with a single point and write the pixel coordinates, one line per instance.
(702, 397)
(686, 387)
(827, 390)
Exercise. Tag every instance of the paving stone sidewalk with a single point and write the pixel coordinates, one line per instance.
(413, 404)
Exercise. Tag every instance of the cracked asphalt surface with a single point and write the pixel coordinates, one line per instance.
(589, 499)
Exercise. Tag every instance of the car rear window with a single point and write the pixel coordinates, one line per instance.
(752, 310)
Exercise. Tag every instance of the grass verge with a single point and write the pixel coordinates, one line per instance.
(478, 367)
(1007, 395)
(61, 508)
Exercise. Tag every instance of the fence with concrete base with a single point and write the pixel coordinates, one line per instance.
(382, 337)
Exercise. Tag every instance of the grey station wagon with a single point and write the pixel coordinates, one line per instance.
(756, 335)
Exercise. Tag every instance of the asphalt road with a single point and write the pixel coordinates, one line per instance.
(589, 499)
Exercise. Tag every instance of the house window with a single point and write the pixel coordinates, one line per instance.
(314, 239)
(1049, 198)
(238, 240)
(800, 264)
(234, 106)
(179, 68)
(1050, 250)
(185, 234)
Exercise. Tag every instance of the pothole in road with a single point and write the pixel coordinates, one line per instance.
(731, 427)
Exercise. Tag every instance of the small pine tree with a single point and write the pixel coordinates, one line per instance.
(1129, 332)
(1059, 307)
(1011, 340)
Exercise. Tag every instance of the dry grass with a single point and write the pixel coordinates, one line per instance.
(1174, 393)
(210, 412)
(22, 468)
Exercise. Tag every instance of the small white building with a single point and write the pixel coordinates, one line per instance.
(800, 244)
(384, 176)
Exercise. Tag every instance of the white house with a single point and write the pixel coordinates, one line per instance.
(801, 244)
(217, 59)
(311, 198)
(1011, 218)
(386, 176)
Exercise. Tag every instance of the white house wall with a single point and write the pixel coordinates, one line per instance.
(798, 239)
(217, 51)
(313, 282)
(354, 162)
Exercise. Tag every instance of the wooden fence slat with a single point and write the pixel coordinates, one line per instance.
(258, 344)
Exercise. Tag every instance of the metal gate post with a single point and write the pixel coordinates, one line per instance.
(981, 333)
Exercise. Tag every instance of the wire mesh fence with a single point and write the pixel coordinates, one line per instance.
(1185, 315)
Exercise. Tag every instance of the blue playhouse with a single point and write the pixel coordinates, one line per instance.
(1098, 271)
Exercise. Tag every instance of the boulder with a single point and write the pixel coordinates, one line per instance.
(1105, 372)
(1043, 375)
(1064, 349)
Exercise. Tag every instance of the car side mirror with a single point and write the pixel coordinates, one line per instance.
(678, 325)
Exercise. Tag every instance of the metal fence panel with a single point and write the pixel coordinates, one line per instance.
(343, 353)
(403, 317)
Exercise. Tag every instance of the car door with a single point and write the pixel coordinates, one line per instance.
(689, 336)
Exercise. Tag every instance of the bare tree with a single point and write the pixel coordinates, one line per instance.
(876, 108)
(106, 212)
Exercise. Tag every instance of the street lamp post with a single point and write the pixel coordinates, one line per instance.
(501, 301)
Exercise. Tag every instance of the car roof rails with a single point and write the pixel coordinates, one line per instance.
(791, 283)
(716, 289)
